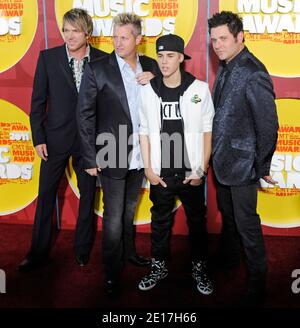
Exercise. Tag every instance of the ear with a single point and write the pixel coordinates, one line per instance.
(138, 39)
(181, 58)
(240, 37)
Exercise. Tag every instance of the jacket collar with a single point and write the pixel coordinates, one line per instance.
(186, 80)
(235, 60)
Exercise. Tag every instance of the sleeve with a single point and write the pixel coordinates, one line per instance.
(260, 96)
(39, 102)
(155, 69)
(86, 117)
(208, 111)
(143, 128)
(149, 64)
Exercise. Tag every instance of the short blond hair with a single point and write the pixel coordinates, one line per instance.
(80, 19)
(129, 18)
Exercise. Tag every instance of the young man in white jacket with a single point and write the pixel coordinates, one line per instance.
(175, 135)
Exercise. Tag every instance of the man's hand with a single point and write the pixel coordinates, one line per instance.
(193, 179)
(269, 180)
(42, 152)
(154, 179)
(144, 77)
(93, 172)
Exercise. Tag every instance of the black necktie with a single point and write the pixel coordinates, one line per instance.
(220, 85)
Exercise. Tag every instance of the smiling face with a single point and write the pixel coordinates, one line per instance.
(126, 40)
(169, 62)
(225, 45)
(75, 39)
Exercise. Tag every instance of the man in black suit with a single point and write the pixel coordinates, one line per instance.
(54, 132)
(108, 111)
(244, 140)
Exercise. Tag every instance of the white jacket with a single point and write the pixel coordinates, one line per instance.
(197, 112)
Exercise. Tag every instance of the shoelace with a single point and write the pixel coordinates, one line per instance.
(203, 278)
(156, 270)
(200, 266)
(199, 272)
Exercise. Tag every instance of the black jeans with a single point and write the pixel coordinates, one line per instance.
(120, 198)
(241, 226)
(193, 201)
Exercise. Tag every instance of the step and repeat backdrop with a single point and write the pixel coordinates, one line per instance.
(272, 33)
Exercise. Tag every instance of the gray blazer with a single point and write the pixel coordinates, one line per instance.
(245, 123)
(103, 108)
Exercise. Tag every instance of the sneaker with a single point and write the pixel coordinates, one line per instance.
(199, 273)
(157, 272)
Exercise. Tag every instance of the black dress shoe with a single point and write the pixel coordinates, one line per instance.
(29, 265)
(82, 259)
(112, 288)
(139, 261)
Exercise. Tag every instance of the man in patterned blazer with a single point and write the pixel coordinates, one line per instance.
(244, 139)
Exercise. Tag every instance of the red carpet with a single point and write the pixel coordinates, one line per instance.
(63, 284)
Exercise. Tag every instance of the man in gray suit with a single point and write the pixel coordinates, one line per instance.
(244, 140)
(108, 106)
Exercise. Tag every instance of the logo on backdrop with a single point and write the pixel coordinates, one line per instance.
(159, 17)
(295, 287)
(279, 205)
(271, 27)
(18, 24)
(2, 282)
(19, 164)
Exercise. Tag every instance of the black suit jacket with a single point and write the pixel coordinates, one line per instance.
(103, 111)
(245, 123)
(54, 100)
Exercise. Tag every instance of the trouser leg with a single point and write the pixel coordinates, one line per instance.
(86, 221)
(51, 172)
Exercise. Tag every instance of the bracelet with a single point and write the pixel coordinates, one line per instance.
(201, 174)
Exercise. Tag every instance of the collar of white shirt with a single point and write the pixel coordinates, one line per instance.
(122, 63)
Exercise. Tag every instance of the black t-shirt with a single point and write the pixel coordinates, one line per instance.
(174, 154)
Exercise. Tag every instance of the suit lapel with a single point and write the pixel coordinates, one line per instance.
(66, 70)
(117, 82)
